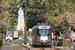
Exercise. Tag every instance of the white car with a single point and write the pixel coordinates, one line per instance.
(9, 38)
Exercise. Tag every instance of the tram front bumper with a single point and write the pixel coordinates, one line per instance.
(44, 43)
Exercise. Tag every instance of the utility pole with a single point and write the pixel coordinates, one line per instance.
(25, 41)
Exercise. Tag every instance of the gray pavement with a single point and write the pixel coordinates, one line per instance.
(4, 47)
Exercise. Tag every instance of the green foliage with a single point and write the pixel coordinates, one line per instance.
(56, 12)
(31, 20)
(29, 33)
(66, 43)
(4, 23)
(60, 43)
(53, 10)
(29, 41)
(13, 13)
(32, 10)
(1, 42)
(11, 22)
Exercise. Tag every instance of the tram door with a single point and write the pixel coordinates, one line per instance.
(50, 34)
(34, 35)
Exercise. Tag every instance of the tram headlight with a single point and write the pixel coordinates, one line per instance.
(41, 40)
(46, 40)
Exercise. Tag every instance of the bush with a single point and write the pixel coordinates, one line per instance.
(66, 43)
(29, 33)
(60, 43)
(1, 42)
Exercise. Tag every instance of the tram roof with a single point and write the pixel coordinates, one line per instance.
(42, 25)
(37, 26)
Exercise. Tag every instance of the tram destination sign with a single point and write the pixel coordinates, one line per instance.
(43, 27)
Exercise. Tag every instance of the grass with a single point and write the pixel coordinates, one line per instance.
(29, 41)
(19, 41)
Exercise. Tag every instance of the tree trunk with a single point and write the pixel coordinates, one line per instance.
(57, 38)
(70, 42)
(63, 39)
(1, 36)
(70, 36)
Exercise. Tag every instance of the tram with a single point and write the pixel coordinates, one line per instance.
(42, 35)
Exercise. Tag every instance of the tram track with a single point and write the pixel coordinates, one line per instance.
(25, 47)
(20, 47)
(14, 48)
(45, 48)
(38, 47)
(41, 47)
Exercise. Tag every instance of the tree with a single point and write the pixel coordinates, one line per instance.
(4, 5)
(32, 10)
(60, 15)
(56, 13)
(13, 12)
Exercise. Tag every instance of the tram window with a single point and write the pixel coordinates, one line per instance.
(43, 32)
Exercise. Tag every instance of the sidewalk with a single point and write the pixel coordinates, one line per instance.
(65, 48)
(4, 47)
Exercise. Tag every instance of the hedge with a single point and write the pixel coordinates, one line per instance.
(60, 43)
(66, 43)
(1, 42)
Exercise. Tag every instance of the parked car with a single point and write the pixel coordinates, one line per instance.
(20, 38)
(73, 39)
(67, 39)
(9, 38)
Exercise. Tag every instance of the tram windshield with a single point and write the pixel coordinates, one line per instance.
(43, 32)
